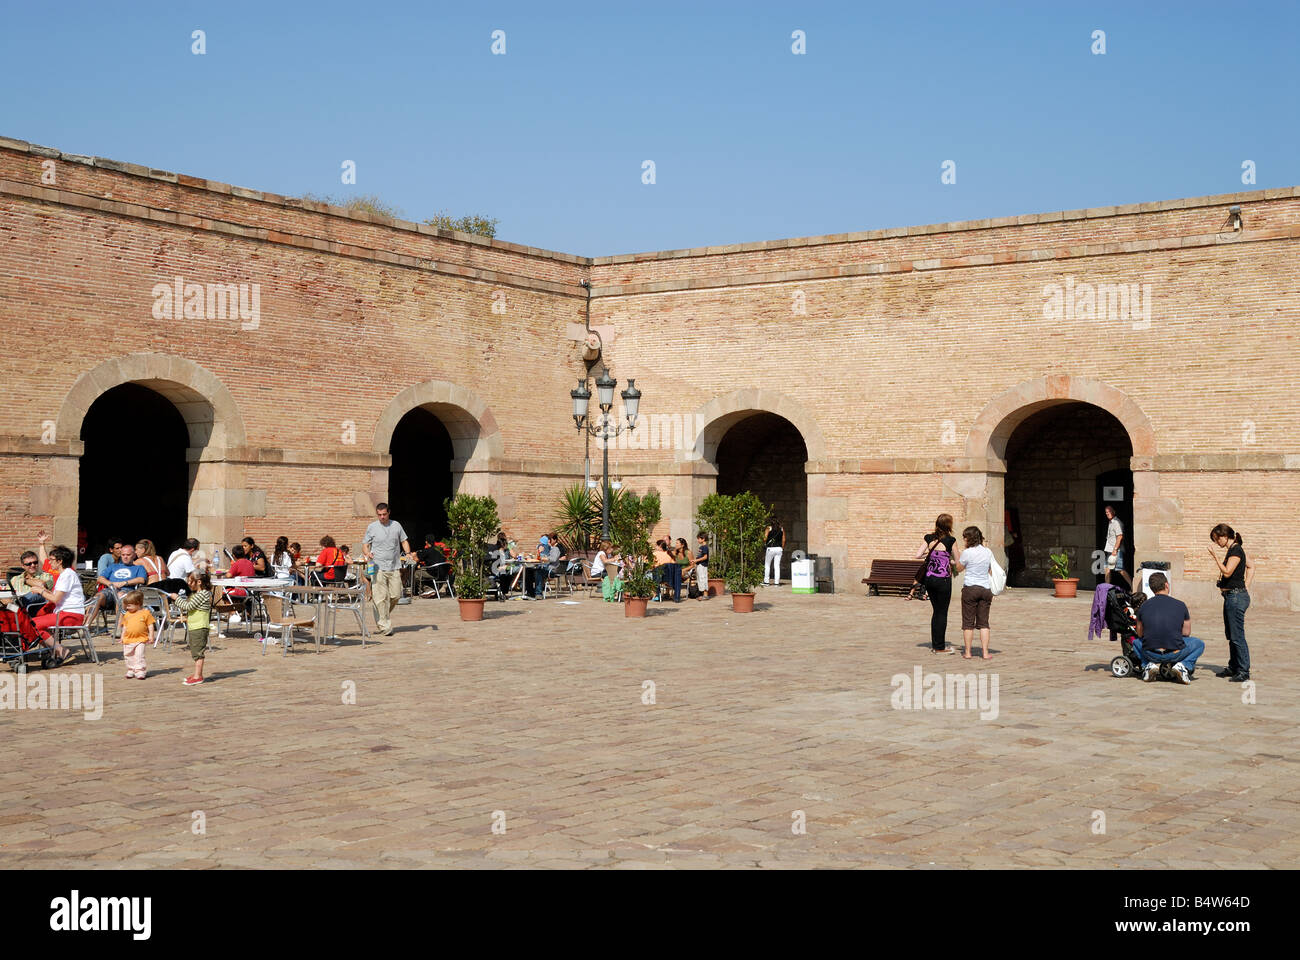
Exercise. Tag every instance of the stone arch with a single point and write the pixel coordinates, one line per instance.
(475, 434)
(217, 499)
(998, 420)
(208, 407)
(992, 430)
(719, 415)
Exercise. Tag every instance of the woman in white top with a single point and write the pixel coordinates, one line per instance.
(68, 599)
(977, 593)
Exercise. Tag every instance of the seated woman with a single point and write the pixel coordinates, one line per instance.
(667, 570)
(284, 565)
(147, 556)
(604, 566)
(67, 602)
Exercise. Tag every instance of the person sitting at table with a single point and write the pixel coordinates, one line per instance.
(284, 566)
(430, 556)
(24, 585)
(257, 557)
(667, 570)
(548, 554)
(117, 580)
(146, 555)
(604, 566)
(345, 557)
(241, 566)
(328, 562)
(180, 564)
(112, 554)
(66, 602)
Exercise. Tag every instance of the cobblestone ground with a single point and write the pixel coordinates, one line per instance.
(538, 713)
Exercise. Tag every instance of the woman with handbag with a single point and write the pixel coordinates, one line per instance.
(977, 592)
(935, 577)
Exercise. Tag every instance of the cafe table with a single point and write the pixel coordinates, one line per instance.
(255, 586)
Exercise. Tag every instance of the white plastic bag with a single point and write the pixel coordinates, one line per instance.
(998, 576)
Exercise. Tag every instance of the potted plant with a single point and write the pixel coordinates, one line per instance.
(473, 521)
(741, 543)
(577, 521)
(631, 518)
(711, 520)
(1059, 566)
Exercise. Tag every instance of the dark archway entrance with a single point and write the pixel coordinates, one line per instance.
(420, 481)
(134, 480)
(766, 454)
(1064, 464)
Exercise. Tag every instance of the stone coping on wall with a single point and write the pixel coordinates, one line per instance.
(215, 186)
(316, 244)
(993, 223)
(885, 268)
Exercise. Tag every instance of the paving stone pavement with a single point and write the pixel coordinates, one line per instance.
(538, 713)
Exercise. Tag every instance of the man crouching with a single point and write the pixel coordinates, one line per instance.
(1164, 634)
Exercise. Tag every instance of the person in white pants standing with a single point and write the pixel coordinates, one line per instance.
(774, 537)
(384, 545)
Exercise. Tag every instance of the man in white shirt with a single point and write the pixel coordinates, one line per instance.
(181, 563)
(1114, 547)
(384, 545)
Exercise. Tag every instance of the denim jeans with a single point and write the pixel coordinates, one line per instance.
(1191, 652)
(1235, 604)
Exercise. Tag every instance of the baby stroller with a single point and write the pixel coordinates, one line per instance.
(1121, 620)
(20, 642)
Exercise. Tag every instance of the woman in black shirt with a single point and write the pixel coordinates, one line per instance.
(937, 577)
(1236, 572)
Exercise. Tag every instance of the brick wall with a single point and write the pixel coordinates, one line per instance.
(903, 358)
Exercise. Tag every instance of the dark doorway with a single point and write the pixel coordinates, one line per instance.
(1056, 459)
(419, 481)
(766, 454)
(134, 481)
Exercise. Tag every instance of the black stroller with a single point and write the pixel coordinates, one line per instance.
(1121, 620)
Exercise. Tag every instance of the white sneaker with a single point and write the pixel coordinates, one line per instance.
(1151, 673)
(1181, 674)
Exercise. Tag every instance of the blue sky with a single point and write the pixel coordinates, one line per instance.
(749, 141)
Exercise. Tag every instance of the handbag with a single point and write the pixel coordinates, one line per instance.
(997, 576)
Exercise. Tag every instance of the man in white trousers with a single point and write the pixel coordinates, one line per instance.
(385, 544)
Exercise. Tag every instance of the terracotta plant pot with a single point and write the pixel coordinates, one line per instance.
(634, 606)
(742, 602)
(1066, 588)
(471, 609)
(717, 586)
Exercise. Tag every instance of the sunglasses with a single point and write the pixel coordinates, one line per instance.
(29, 563)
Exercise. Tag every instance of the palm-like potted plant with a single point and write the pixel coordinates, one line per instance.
(631, 519)
(742, 544)
(1058, 564)
(577, 521)
(473, 521)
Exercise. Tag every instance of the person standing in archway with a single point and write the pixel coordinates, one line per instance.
(385, 545)
(774, 539)
(1114, 547)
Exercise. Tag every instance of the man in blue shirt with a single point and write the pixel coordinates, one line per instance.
(117, 579)
(110, 556)
(1164, 634)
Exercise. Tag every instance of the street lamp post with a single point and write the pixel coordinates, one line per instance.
(605, 385)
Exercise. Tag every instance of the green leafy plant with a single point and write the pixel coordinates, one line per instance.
(741, 540)
(631, 518)
(473, 520)
(577, 520)
(1058, 565)
(711, 520)
(375, 206)
(470, 223)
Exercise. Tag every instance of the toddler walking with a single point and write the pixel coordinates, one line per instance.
(197, 608)
(137, 630)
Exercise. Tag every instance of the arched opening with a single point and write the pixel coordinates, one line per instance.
(420, 478)
(134, 479)
(766, 454)
(1066, 460)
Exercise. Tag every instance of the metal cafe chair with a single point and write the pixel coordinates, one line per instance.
(351, 600)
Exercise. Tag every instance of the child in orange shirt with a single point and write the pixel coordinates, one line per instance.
(137, 630)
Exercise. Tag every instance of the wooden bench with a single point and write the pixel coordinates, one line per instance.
(891, 575)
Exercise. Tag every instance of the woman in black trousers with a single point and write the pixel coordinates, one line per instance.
(937, 577)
